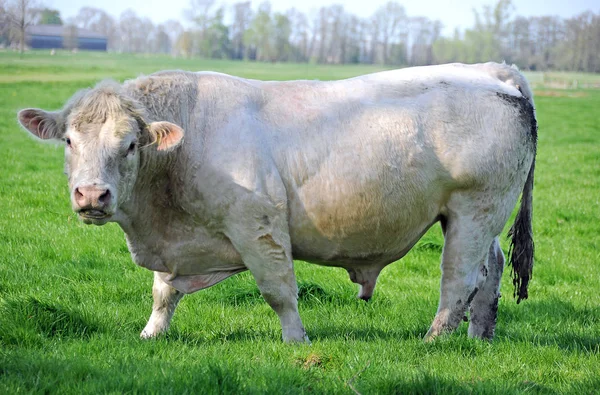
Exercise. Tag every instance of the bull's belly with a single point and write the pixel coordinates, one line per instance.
(326, 239)
(358, 250)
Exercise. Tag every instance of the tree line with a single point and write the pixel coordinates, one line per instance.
(332, 35)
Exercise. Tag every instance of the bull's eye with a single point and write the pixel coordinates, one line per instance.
(68, 141)
(131, 148)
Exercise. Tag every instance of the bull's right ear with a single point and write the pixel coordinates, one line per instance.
(42, 124)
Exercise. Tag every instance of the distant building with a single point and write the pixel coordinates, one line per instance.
(56, 36)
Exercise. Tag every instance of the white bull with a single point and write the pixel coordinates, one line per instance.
(210, 175)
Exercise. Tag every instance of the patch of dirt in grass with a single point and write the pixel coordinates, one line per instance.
(312, 360)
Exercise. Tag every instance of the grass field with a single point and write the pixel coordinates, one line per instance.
(72, 303)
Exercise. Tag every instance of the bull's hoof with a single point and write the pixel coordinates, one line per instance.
(150, 332)
(296, 337)
(147, 335)
(430, 335)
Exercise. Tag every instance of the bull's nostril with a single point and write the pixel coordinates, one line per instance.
(78, 196)
(104, 198)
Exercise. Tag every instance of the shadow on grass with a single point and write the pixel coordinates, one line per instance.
(309, 293)
(319, 333)
(429, 384)
(364, 333)
(23, 320)
(40, 374)
(552, 322)
(35, 372)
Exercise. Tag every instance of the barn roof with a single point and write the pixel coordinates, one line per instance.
(58, 30)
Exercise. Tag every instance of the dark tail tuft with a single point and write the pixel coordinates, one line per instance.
(521, 244)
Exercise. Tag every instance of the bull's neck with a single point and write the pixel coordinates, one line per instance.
(168, 97)
(153, 198)
(155, 194)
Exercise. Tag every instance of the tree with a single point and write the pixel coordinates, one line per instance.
(374, 32)
(162, 41)
(22, 14)
(323, 34)
(199, 14)
(520, 44)
(282, 30)
(86, 16)
(424, 34)
(216, 37)
(173, 29)
(581, 46)
(337, 47)
(259, 34)
(70, 37)
(489, 37)
(99, 21)
(5, 23)
(184, 43)
(135, 33)
(242, 15)
(445, 50)
(50, 17)
(299, 35)
(390, 21)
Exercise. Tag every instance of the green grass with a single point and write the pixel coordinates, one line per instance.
(563, 79)
(72, 303)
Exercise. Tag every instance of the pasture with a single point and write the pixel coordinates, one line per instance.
(72, 303)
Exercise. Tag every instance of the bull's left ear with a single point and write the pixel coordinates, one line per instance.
(166, 135)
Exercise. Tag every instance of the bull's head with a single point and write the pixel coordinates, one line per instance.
(103, 131)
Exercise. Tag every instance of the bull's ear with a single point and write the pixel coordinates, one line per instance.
(166, 135)
(42, 124)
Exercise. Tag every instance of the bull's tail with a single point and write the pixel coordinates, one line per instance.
(521, 244)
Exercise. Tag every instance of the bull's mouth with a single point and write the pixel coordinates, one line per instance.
(96, 217)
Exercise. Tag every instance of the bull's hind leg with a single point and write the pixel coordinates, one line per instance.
(166, 299)
(473, 222)
(484, 307)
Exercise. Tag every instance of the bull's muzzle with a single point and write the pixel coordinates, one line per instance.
(93, 203)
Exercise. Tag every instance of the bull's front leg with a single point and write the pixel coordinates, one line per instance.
(263, 241)
(166, 299)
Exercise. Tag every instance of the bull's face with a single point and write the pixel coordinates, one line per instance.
(102, 165)
(102, 158)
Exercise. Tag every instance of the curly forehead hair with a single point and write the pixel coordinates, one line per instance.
(103, 102)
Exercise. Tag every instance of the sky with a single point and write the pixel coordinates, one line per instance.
(453, 14)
